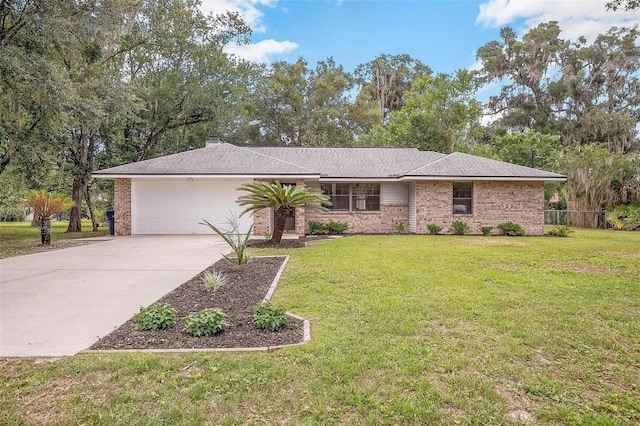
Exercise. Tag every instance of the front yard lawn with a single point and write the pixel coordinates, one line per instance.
(406, 330)
(18, 238)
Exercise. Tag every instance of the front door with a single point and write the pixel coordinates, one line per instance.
(290, 223)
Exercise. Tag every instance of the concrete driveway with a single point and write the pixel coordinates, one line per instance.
(60, 302)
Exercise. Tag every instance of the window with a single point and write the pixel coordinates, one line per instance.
(462, 197)
(353, 196)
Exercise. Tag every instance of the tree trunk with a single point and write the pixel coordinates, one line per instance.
(87, 198)
(77, 194)
(280, 217)
(82, 159)
(45, 230)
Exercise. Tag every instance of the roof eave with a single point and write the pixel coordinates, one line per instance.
(111, 176)
(487, 178)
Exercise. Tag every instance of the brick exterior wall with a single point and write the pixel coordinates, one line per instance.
(122, 206)
(494, 202)
(371, 222)
(261, 222)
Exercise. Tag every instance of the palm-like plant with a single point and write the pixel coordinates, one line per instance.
(282, 199)
(45, 205)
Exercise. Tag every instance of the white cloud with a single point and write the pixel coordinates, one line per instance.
(576, 17)
(248, 10)
(262, 50)
(251, 13)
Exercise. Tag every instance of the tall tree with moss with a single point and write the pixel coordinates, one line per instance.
(386, 79)
(586, 93)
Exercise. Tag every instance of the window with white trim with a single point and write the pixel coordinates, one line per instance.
(353, 196)
(462, 197)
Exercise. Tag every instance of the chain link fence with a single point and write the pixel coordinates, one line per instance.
(576, 218)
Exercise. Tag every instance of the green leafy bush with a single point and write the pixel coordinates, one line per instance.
(625, 217)
(155, 317)
(400, 227)
(335, 228)
(458, 227)
(206, 322)
(560, 231)
(213, 280)
(486, 230)
(269, 317)
(317, 228)
(511, 229)
(434, 229)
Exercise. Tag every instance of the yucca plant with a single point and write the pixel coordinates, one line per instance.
(45, 205)
(282, 199)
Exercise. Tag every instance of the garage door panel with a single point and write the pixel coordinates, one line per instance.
(176, 206)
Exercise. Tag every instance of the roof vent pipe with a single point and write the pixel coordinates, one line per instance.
(212, 141)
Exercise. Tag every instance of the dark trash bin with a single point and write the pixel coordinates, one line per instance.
(111, 220)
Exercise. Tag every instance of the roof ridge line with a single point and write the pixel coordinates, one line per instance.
(272, 158)
(427, 164)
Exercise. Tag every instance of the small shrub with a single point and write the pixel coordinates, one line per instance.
(317, 228)
(155, 317)
(400, 227)
(269, 317)
(486, 230)
(237, 241)
(434, 229)
(560, 231)
(625, 218)
(511, 229)
(206, 322)
(213, 280)
(337, 227)
(459, 227)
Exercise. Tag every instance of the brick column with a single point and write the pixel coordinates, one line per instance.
(301, 221)
(122, 206)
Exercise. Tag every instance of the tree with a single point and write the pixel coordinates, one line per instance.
(294, 105)
(524, 101)
(593, 174)
(599, 90)
(584, 93)
(627, 4)
(439, 112)
(32, 116)
(531, 149)
(282, 199)
(181, 79)
(45, 205)
(387, 78)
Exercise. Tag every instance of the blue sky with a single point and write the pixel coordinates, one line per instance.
(442, 34)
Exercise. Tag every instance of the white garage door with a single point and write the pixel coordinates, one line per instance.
(176, 206)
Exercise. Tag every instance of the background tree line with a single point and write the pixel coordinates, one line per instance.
(88, 85)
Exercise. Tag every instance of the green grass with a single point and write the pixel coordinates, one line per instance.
(17, 238)
(406, 330)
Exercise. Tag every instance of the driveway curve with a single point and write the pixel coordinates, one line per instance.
(58, 303)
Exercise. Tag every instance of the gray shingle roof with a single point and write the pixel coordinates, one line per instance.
(335, 163)
(355, 162)
(220, 159)
(459, 164)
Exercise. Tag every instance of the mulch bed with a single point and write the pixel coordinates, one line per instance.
(247, 285)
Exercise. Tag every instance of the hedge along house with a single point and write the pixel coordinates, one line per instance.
(371, 189)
